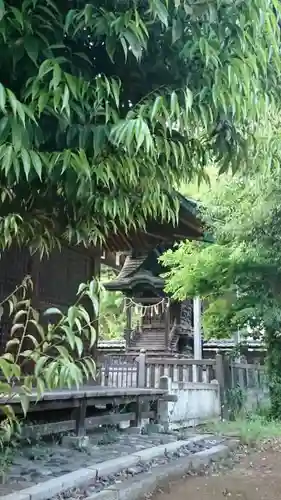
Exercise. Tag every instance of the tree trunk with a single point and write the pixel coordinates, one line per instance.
(273, 342)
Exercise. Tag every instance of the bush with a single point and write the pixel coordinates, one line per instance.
(45, 351)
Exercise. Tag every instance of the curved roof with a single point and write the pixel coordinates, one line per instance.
(189, 226)
(133, 274)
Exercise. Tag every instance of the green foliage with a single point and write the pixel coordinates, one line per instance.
(96, 98)
(240, 274)
(112, 311)
(112, 317)
(112, 320)
(252, 430)
(40, 356)
(235, 400)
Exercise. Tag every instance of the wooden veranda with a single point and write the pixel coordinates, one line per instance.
(90, 406)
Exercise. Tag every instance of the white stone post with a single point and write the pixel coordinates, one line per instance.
(197, 335)
(163, 406)
(141, 376)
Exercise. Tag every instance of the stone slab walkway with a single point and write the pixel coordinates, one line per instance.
(43, 461)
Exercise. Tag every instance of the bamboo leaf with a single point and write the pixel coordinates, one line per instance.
(24, 401)
(71, 315)
(134, 43)
(6, 368)
(26, 162)
(37, 164)
(65, 101)
(2, 94)
(45, 68)
(160, 10)
(72, 84)
(57, 76)
(13, 101)
(63, 351)
(40, 365)
(156, 107)
(31, 47)
(2, 9)
(177, 30)
(16, 327)
(79, 345)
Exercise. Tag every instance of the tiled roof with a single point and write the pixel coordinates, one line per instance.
(130, 267)
(132, 274)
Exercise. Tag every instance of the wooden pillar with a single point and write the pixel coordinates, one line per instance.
(167, 323)
(34, 271)
(223, 377)
(128, 307)
(94, 272)
(135, 407)
(80, 418)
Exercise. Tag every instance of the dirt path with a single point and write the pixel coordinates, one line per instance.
(257, 476)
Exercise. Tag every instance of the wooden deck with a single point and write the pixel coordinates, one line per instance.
(90, 406)
(89, 392)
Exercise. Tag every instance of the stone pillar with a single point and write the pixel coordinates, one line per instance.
(141, 360)
(197, 334)
(167, 323)
(197, 328)
(163, 406)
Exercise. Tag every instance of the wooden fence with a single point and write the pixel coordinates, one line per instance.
(131, 370)
(179, 370)
(120, 371)
(145, 371)
(247, 376)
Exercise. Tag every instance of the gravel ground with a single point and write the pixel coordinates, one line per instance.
(43, 461)
(99, 483)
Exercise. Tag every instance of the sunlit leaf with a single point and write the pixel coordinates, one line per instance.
(52, 310)
(24, 401)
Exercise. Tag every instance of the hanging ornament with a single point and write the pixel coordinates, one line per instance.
(149, 311)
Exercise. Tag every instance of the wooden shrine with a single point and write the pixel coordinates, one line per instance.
(164, 325)
(56, 278)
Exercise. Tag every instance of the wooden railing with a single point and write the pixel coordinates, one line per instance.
(119, 371)
(144, 371)
(179, 370)
(131, 334)
(247, 376)
(172, 333)
(131, 370)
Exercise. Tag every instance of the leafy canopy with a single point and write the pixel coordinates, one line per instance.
(240, 273)
(96, 98)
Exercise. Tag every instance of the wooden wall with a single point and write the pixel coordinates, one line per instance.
(56, 279)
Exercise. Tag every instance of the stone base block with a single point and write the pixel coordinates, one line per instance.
(153, 428)
(75, 442)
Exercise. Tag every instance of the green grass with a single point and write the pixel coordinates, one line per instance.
(250, 429)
